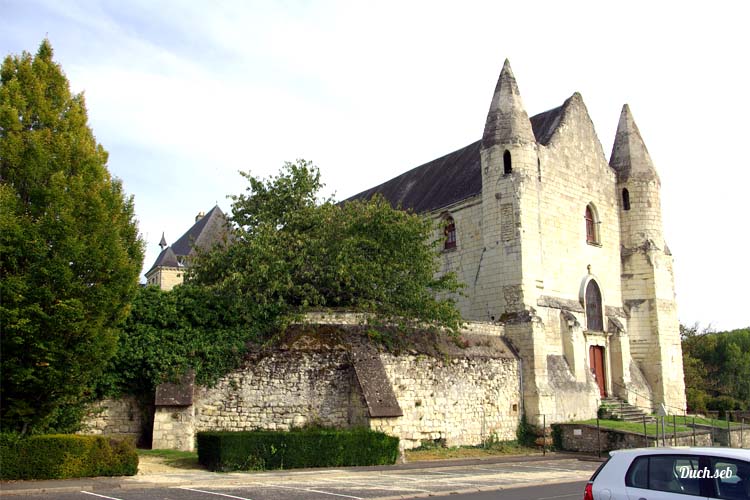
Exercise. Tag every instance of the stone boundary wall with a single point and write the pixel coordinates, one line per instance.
(737, 437)
(462, 401)
(353, 319)
(123, 416)
(464, 397)
(585, 438)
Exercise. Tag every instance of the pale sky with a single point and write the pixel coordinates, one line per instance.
(183, 94)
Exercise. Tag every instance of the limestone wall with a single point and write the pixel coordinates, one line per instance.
(462, 401)
(166, 278)
(467, 258)
(573, 173)
(288, 388)
(463, 397)
(116, 416)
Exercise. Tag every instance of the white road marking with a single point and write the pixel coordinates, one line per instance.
(100, 496)
(310, 490)
(375, 485)
(546, 468)
(493, 470)
(443, 481)
(213, 493)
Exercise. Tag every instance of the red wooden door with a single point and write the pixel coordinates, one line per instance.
(596, 362)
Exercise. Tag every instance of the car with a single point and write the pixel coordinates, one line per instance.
(672, 474)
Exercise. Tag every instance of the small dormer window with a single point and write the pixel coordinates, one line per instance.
(625, 199)
(450, 233)
(592, 225)
(507, 163)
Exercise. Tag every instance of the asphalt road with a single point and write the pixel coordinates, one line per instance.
(560, 491)
(554, 479)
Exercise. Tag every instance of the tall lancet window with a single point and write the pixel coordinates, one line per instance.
(592, 225)
(450, 233)
(507, 164)
(625, 199)
(594, 317)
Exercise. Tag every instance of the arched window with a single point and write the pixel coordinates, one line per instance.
(594, 317)
(592, 225)
(507, 165)
(450, 232)
(625, 199)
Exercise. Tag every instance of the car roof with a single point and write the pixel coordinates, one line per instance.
(716, 452)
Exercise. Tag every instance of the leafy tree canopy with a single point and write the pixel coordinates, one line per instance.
(290, 251)
(70, 253)
(294, 251)
(168, 333)
(717, 368)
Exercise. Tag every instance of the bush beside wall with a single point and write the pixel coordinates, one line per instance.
(225, 451)
(65, 456)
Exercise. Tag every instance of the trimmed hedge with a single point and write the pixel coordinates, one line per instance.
(259, 450)
(62, 456)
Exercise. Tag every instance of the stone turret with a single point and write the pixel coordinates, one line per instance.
(639, 187)
(509, 191)
(511, 258)
(507, 121)
(647, 268)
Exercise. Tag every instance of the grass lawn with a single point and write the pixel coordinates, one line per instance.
(636, 427)
(722, 424)
(441, 453)
(173, 458)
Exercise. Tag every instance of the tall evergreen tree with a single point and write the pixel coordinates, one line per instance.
(70, 252)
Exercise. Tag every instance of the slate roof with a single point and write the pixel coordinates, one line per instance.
(206, 232)
(166, 258)
(450, 178)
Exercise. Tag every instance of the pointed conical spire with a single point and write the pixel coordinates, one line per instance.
(507, 121)
(163, 241)
(630, 158)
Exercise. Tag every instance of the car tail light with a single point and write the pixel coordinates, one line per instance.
(588, 493)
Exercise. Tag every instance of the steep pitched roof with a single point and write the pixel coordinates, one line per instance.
(450, 178)
(207, 231)
(166, 258)
(545, 124)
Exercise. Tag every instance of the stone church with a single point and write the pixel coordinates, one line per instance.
(563, 248)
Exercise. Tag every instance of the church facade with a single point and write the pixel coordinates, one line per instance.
(563, 248)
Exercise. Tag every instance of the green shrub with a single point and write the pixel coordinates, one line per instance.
(64, 456)
(225, 451)
(526, 433)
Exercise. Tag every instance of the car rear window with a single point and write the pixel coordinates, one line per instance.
(599, 469)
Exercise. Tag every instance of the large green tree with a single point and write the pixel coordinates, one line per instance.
(717, 368)
(293, 251)
(70, 253)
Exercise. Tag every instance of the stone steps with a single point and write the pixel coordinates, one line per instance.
(621, 410)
